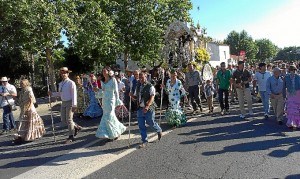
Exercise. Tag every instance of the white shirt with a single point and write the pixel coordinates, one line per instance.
(7, 89)
(261, 79)
(121, 85)
(152, 93)
(67, 91)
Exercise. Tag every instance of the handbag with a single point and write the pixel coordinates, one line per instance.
(12, 107)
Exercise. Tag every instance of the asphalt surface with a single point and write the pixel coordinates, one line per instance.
(210, 146)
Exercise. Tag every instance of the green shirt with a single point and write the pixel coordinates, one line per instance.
(224, 79)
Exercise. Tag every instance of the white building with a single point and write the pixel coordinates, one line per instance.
(218, 53)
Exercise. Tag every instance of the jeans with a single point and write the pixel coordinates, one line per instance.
(221, 91)
(149, 118)
(8, 119)
(194, 92)
(265, 100)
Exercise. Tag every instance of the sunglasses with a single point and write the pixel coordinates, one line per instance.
(3, 81)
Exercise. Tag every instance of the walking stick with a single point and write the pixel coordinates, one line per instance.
(122, 115)
(129, 117)
(161, 97)
(51, 112)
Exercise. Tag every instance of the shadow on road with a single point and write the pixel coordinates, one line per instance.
(235, 128)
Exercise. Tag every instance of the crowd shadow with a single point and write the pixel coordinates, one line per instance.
(32, 155)
(258, 146)
(237, 128)
(296, 176)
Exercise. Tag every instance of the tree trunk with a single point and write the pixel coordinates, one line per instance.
(51, 74)
(32, 68)
(125, 59)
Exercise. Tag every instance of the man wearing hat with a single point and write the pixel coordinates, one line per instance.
(260, 78)
(241, 79)
(7, 94)
(68, 94)
(275, 89)
(283, 70)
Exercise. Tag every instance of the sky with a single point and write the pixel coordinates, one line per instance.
(277, 20)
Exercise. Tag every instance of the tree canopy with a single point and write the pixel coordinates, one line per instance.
(97, 30)
(266, 49)
(241, 42)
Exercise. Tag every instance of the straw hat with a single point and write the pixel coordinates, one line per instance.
(65, 69)
(4, 79)
(292, 67)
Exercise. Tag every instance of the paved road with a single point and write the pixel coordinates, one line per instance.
(208, 147)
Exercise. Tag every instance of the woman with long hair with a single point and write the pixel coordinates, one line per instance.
(110, 127)
(31, 124)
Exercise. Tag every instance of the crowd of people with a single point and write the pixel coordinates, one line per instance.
(113, 94)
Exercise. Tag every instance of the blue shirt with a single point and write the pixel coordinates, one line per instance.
(134, 84)
(275, 86)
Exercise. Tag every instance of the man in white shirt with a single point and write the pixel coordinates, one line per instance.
(260, 78)
(68, 94)
(7, 94)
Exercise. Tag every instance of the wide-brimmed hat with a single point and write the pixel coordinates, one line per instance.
(128, 70)
(4, 79)
(292, 67)
(276, 69)
(65, 69)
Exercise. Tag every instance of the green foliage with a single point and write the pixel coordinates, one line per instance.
(266, 49)
(94, 38)
(139, 25)
(241, 42)
(202, 55)
(97, 30)
(288, 54)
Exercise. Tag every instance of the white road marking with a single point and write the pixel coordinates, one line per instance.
(82, 162)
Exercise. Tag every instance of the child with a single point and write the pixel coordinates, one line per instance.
(209, 93)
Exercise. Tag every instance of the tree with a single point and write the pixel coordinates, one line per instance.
(94, 39)
(266, 49)
(288, 54)
(139, 25)
(39, 24)
(233, 40)
(241, 42)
